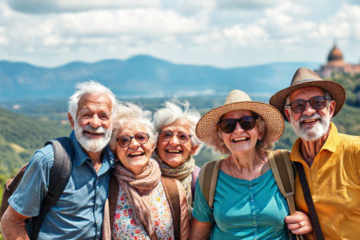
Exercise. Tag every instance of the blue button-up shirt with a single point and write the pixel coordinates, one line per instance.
(79, 212)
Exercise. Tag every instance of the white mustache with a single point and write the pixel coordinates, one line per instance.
(94, 130)
(305, 117)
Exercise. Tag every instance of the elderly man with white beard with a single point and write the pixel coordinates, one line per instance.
(78, 214)
(328, 161)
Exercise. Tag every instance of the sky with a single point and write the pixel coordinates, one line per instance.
(221, 33)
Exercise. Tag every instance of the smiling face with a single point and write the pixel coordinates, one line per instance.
(136, 156)
(311, 124)
(93, 125)
(174, 153)
(240, 141)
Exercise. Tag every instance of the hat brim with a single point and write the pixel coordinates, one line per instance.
(336, 91)
(274, 122)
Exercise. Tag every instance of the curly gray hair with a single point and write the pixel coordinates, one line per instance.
(127, 113)
(174, 111)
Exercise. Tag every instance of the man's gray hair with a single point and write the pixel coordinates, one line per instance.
(85, 88)
(216, 143)
(129, 113)
(174, 111)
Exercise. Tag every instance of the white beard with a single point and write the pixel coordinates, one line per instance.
(92, 145)
(314, 132)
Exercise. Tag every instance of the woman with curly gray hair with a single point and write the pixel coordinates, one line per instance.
(247, 203)
(142, 203)
(177, 144)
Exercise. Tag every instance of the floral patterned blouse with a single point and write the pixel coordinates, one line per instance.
(128, 226)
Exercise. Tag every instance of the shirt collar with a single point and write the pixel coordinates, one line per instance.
(81, 155)
(330, 144)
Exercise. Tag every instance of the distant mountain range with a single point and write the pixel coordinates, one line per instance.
(142, 76)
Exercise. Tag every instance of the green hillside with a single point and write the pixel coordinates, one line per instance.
(20, 136)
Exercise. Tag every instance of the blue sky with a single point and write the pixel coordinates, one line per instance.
(222, 33)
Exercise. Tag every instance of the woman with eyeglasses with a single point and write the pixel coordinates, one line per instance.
(177, 144)
(247, 203)
(142, 204)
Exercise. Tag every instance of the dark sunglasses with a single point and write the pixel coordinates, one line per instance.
(167, 136)
(247, 123)
(317, 103)
(125, 141)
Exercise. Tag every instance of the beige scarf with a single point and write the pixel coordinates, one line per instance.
(181, 173)
(137, 188)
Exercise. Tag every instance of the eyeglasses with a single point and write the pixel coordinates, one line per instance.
(247, 123)
(167, 136)
(125, 141)
(317, 103)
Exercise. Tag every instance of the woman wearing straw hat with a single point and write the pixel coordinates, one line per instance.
(247, 203)
(177, 143)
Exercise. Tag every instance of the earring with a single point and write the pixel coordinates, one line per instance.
(258, 142)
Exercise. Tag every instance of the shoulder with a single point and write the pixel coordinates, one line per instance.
(349, 142)
(195, 173)
(172, 184)
(43, 157)
(206, 172)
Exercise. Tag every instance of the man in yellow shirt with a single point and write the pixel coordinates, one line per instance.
(331, 160)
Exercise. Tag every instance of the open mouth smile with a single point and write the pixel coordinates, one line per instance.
(310, 121)
(174, 151)
(136, 154)
(240, 139)
(93, 134)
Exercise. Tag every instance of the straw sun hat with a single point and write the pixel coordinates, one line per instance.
(304, 77)
(238, 100)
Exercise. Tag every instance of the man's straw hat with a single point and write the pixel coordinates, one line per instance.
(304, 77)
(238, 100)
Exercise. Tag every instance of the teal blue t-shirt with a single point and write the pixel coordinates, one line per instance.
(244, 209)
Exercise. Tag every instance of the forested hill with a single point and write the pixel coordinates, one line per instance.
(20, 136)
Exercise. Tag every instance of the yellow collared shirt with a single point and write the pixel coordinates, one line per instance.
(334, 182)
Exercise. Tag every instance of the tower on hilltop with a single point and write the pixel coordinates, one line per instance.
(335, 64)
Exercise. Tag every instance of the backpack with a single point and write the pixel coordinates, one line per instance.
(59, 177)
(172, 195)
(281, 167)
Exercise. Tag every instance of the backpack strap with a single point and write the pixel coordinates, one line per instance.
(113, 198)
(309, 201)
(208, 176)
(172, 195)
(283, 172)
(282, 169)
(59, 177)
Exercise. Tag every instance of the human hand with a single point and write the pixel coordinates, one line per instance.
(299, 223)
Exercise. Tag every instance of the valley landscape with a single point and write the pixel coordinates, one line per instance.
(33, 108)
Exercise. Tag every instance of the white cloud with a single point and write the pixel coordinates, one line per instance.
(143, 22)
(346, 23)
(248, 4)
(56, 6)
(202, 32)
(240, 35)
(191, 6)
